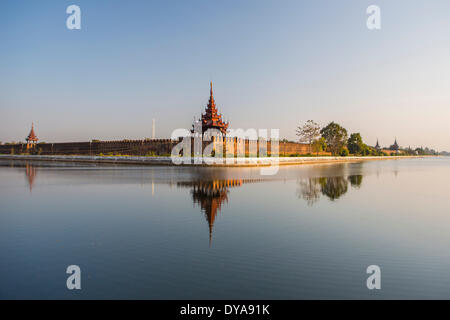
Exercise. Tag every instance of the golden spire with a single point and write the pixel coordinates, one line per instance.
(211, 118)
(32, 135)
(211, 104)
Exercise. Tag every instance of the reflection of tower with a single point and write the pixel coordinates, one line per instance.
(210, 195)
(30, 172)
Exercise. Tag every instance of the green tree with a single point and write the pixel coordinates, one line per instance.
(370, 151)
(420, 151)
(355, 144)
(309, 132)
(335, 137)
(319, 145)
(344, 152)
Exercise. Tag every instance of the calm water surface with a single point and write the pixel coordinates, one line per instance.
(188, 233)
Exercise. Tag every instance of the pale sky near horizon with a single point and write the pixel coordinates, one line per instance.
(274, 64)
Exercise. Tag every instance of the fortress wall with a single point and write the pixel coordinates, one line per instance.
(153, 147)
(128, 147)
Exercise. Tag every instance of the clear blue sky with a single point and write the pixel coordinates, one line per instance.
(274, 64)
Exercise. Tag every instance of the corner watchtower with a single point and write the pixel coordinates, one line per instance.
(32, 138)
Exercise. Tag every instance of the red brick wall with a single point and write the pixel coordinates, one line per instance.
(142, 147)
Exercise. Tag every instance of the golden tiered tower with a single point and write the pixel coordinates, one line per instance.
(32, 138)
(211, 119)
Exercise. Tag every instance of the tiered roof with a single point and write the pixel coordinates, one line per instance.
(32, 136)
(211, 118)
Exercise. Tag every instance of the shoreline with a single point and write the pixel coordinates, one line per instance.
(237, 162)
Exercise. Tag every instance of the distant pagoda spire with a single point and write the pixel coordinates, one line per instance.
(377, 146)
(395, 146)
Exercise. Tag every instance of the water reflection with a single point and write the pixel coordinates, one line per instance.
(310, 189)
(30, 173)
(210, 190)
(333, 187)
(210, 196)
(355, 180)
(103, 215)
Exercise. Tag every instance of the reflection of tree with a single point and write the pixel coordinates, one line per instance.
(332, 187)
(355, 180)
(309, 190)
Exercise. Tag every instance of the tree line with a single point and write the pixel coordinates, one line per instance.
(334, 138)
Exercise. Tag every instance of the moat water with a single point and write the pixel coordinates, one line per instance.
(308, 232)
